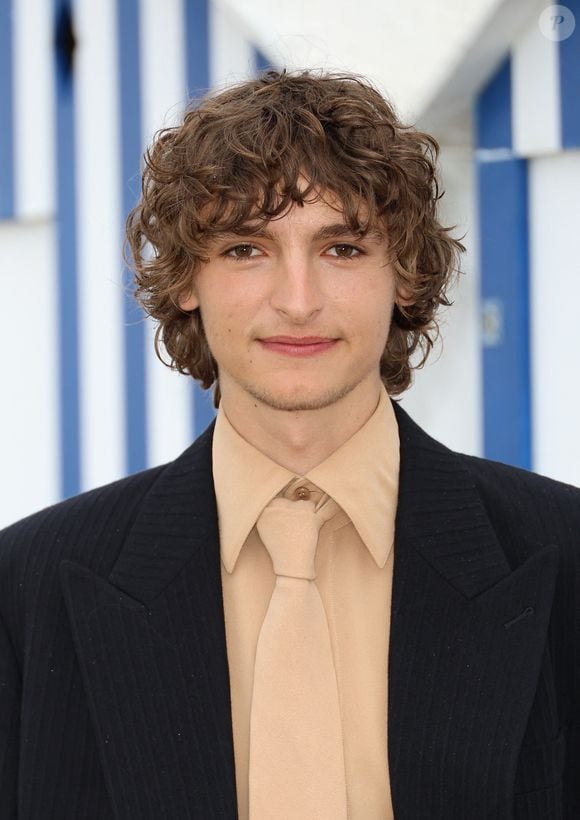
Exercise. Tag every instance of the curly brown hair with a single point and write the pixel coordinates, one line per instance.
(239, 155)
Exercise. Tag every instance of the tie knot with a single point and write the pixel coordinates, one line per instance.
(289, 530)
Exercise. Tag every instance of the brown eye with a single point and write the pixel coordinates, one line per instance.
(345, 251)
(243, 251)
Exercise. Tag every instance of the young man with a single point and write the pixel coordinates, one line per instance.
(316, 611)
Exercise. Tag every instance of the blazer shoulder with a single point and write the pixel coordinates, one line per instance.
(491, 474)
(526, 508)
(72, 527)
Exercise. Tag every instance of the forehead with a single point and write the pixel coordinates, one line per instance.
(320, 214)
(283, 207)
(302, 227)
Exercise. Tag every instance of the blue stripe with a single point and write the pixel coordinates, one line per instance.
(569, 58)
(493, 110)
(69, 416)
(261, 61)
(131, 151)
(6, 112)
(197, 67)
(504, 269)
(503, 197)
(197, 46)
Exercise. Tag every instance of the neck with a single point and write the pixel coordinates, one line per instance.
(300, 439)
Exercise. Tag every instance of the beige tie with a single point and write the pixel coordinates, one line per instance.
(296, 767)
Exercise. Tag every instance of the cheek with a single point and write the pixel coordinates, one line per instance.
(375, 309)
(224, 323)
(376, 322)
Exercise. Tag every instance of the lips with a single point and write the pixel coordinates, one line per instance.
(301, 349)
(298, 340)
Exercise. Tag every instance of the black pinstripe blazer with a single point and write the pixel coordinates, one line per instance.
(114, 689)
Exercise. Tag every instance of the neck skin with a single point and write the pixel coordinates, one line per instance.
(300, 440)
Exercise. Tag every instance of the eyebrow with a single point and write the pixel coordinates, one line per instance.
(338, 230)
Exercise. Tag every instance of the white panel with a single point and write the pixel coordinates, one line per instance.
(445, 398)
(555, 296)
(231, 55)
(535, 93)
(34, 137)
(162, 44)
(169, 399)
(99, 245)
(29, 438)
(411, 49)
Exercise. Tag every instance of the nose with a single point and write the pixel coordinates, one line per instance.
(297, 291)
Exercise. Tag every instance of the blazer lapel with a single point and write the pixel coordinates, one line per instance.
(467, 638)
(467, 635)
(151, 646)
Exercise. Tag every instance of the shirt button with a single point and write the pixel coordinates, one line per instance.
(302, 493)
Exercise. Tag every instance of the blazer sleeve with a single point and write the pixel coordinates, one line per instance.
(10, 688)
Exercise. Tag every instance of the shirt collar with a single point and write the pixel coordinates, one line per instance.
(362, 476)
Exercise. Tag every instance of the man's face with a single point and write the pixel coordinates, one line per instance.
(306, 274)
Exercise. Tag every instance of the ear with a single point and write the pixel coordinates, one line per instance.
(403, 297)
(188, 300)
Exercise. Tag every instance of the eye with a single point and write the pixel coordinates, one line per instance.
(242, 251)
(345, 251)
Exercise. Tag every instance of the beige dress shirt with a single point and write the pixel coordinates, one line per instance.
(354, 563)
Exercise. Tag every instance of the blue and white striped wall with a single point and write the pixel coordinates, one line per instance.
(83, 88)
(528, 172)
(84, 399)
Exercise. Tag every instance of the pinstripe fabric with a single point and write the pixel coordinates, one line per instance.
(114, 694)
(60, 775)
